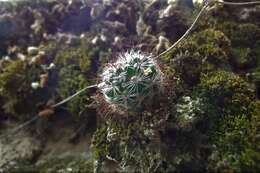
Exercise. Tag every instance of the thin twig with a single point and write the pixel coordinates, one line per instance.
(72, 96)
(185, 34)
(21, 126)
(36, 117)
(196, 20)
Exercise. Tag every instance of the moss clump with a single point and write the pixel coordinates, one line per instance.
(213, 47)
(229, 118)
(74, 66)
(227, 90)
(203, 52)
(132, 144)
(99, 144)
(243, 35)
(244, 43)
(70, 81)
(243, 58)
(236, 143)
(20, 99)
(74, 55)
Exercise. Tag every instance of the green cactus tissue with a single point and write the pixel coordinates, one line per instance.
(132, 80)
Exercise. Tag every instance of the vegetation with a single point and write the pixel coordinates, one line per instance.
(196, 109)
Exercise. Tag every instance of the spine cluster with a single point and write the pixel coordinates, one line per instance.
(131, 81)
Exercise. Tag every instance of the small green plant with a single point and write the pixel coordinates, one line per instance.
(132, 79)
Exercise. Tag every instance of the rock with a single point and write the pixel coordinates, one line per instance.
(39, 59)
(124, 12)
(19, 149)
(172, 23)
(141, 27)
(39, 21)
(32, 50)
(77, 21)
(96, 11)
(35, 85)
(95, 40)
(13, 50)
(162, 45)
(116, 27)
(61, 38)
(169, 11)
(72, 40)
(44, 80)
(9, 28)
(109, 2)
(197, 1)
(21, 56)
(151, 13)
(118, 42)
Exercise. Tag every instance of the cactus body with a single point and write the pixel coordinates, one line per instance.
(130, 81)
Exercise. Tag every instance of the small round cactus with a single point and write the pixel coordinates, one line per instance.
(131, 81)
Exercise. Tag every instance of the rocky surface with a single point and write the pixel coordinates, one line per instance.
(20, 148)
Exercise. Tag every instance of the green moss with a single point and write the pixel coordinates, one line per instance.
(74, 66)
(74, 55)
(132, 143)
(70, 81)
(227, 90)
(203, 52)
(99, 143)
(230, 119)
(236, 143)
(243, 58)
(213, 46)
(20, 99)
(245, 35)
